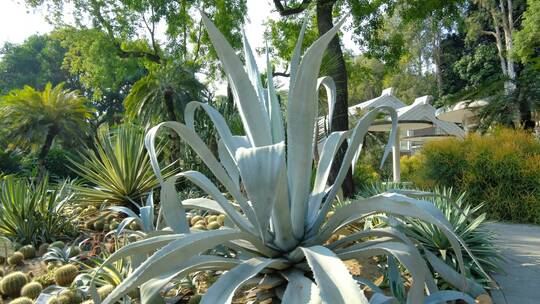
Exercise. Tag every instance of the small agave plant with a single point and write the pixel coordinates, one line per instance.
(278, 218)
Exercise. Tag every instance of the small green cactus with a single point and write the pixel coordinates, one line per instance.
(65, 275)
(12, 284)
(31, 290)
(113, 225)
(134, 225)
(28, 251)
(53, 300)
(58, 244)
(42, 249)
(89, 224)
(99, 225)
(69, 296)
(104, 291)
(16, 259)
(213, 225)
(74, 251)
(22, 300)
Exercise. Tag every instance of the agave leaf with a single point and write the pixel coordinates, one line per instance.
(205, 184)
(378, 232)
(300, 289)
(153, 287)
(407, 255)
(223, 289)
(203, 203)
(256, 123)
(333, 279)
(262, 166)
(398, 205)
(174, 253)
(452, 277)
(357, 140)
(254, 75)
(330, 87)
(297, 53)
(276, 121)
(301, 118)
(124, 210)
(198, 145)
(445, 296)
(219, 123)
(380, 298)
(326, 159)
(173, 211)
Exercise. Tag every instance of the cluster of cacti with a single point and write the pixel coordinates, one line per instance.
(209, 222)
(22, 300)
(15, 259)
(65, 275)
(103, 223)
(12, 284)
(28, 251)
(31, 290)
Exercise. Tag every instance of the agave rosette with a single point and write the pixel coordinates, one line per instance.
(278, 218)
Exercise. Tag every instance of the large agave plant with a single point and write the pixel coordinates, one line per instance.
(279, 219)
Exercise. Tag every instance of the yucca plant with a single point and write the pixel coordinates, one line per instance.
(64, 255)
(34, 212)
(119, 171)
(280, 233)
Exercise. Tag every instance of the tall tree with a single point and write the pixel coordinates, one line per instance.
(36, 118)
(35, 62)
(338, 71)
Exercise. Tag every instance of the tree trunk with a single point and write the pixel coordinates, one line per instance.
(340, 120)
(169, 104)
(51, 134)
(438, 61)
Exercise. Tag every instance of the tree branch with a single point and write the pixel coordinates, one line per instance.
(282, 74)
(287, 11)
(122, 53)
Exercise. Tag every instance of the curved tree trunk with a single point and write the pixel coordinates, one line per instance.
(49, 139)
(338, 71)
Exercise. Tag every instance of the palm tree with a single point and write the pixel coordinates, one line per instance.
(35, 119)
(163, 94)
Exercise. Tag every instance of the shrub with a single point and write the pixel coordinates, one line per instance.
(57, 163)
(32, 212)
(500, 169)
(119, 171)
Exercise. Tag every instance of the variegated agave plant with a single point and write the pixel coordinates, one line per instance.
(279, 219)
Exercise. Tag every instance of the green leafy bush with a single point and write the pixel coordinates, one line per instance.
(118, 171)
(500, 169)
(57, 163)
(34, 212)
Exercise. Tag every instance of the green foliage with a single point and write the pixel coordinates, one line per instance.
(35, 118)
(10, 161)
(12, 283)
(34, 212)
(63, 255)
(527, 40)
(35, 62)
(500, 170)
(57, 163)
(119, 170)
(480, 67)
